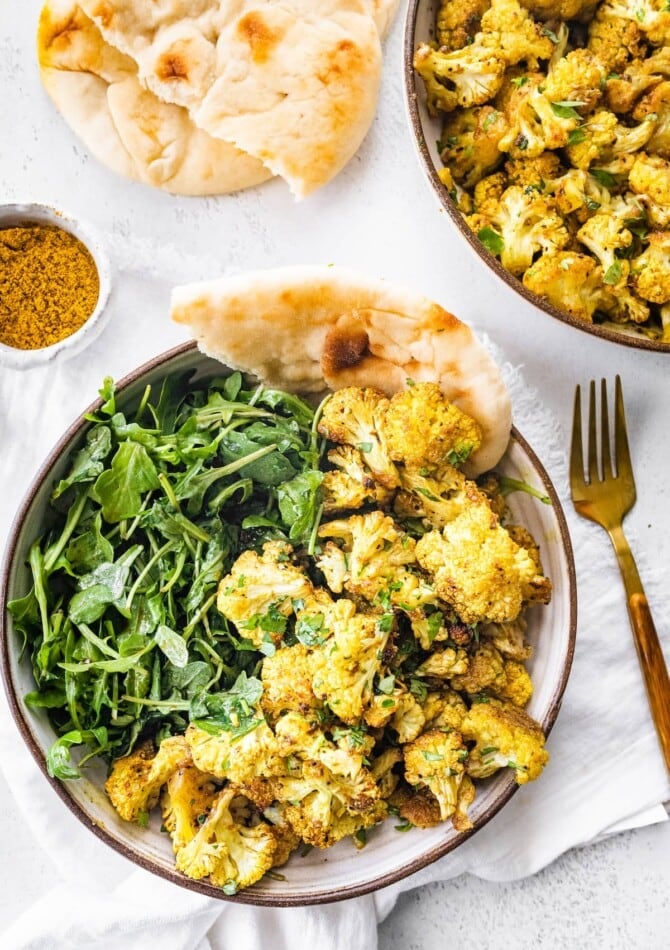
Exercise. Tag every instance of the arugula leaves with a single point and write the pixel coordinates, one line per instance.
(120, 623)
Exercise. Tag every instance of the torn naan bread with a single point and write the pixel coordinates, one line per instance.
(126, 127)
(292, 83)
(306, 329)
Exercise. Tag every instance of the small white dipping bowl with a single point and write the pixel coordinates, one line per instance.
(18, 215)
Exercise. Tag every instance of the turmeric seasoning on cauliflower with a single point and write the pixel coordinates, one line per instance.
(505, 736)
(421, 427)
(437, 760)
(228, 852)
(135, 782)
(478, 568)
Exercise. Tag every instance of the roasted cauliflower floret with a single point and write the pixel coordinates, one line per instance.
(287, 682)
(239, 758)
(478, 568)
(518, 687)
(458, 195)
(576, 77)
(469, 143)
(543, 113)
(286, 838)
(352, 416)
(485, 672)
(344, 762)
(570, 281)
(656, 103)
(345, 666)
(351, 483)
(435, 496)
(259, 592)
(421, 427)
(384, 771)
(508, 638)
(505, 736)
(185, 803)
(561, 9)
(135, 782)
(430, 626)
(323, 808)
(374, 549)
(602, 138)
(528, 132)
(488, 192)
(436, 759)
(651, 270)
(408, 720)
(534, 173)
(622, 91)
(382, 707)
(507, 26)
(444, 709)
(444, 663)
(615, 41)
(229, 853)
(458, 23)
(524, 224)
(606, 236)
(650, 179)
(464, 77)
(578, 193)
(652, 17)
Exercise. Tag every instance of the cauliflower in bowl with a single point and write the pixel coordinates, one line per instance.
(390, 650)
(555, 146)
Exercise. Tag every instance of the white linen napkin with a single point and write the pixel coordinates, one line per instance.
(605, 763)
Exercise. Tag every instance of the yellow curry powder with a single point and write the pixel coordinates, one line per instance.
(49, 285)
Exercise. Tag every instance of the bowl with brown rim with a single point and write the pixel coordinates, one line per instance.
(342, 871)
(426, 132)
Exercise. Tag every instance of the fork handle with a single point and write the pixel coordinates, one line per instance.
(647, 644)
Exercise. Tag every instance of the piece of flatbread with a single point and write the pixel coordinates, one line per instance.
(291, 82)
(126, 127)
(383, 12)
(306, 329)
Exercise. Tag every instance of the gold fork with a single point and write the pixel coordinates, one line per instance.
(605, 495)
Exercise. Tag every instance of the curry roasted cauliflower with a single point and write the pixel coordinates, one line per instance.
(230, 853)
(478, 568)
(556, 145)
(382, 672)
(504, 735)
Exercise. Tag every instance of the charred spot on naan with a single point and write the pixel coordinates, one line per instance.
(345, 346)
(171, 65)
(341, 60)
(261, 37)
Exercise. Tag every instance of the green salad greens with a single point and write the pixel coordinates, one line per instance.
(120, 623)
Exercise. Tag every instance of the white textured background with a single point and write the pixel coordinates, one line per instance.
(380, 217)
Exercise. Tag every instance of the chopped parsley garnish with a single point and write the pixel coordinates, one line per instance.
(491, 240)
(567, 109)
(613, 273)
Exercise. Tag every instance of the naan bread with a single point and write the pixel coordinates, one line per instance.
(126, 127)
(383, 12)
(305, 329)
(293, 83)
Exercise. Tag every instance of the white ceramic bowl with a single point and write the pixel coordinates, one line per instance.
(427, 131)
(13, 215)
(340, 872)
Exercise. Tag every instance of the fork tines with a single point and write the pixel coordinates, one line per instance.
(599, 457)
